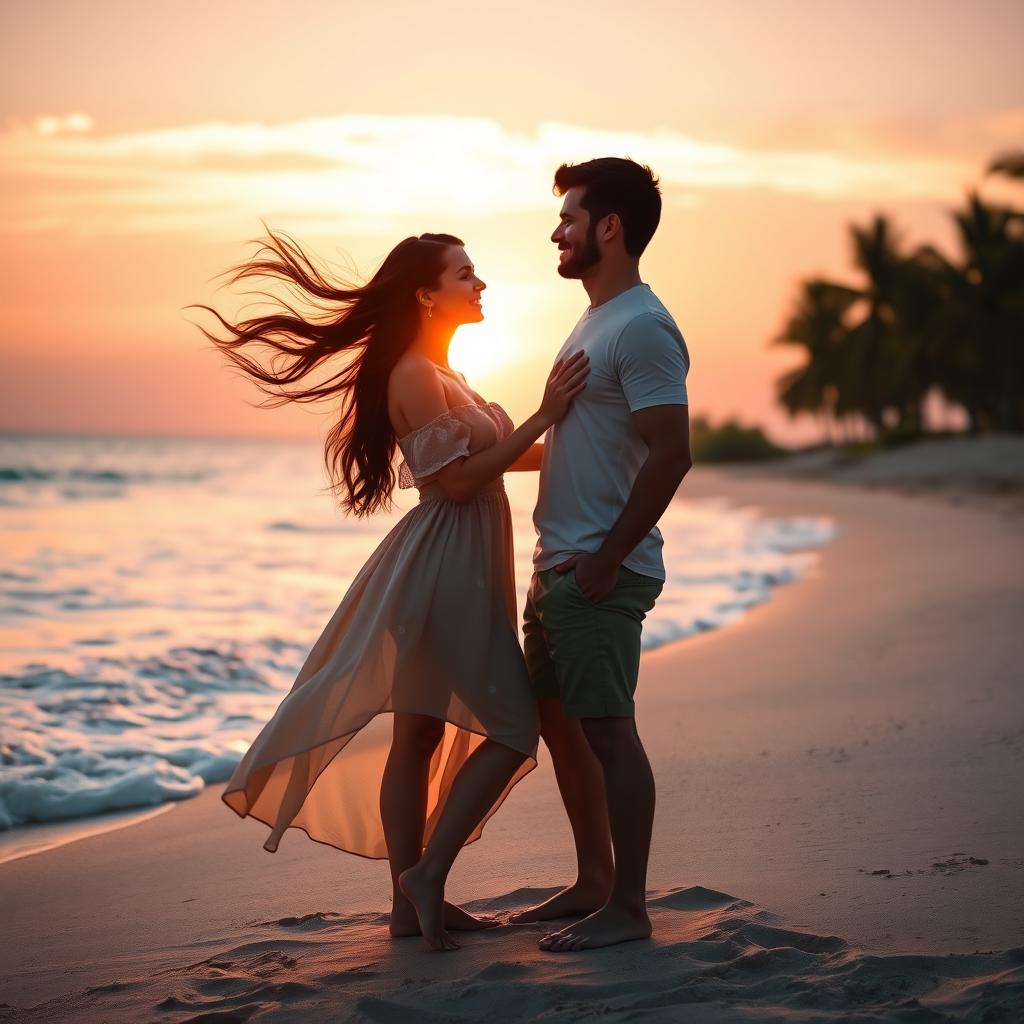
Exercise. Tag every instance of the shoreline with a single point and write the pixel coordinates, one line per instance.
(24, 840)
(40, 837)
(868, 718)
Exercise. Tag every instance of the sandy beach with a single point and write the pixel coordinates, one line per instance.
(839, 831)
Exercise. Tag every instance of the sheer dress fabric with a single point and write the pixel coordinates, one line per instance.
(428, 626)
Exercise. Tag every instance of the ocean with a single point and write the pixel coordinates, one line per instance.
(158, 596)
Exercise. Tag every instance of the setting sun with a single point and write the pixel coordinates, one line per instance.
(480, 350)
(483, 349)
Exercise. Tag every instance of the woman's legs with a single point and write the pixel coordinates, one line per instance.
(403, 808)
(478, 785)
(403, 800)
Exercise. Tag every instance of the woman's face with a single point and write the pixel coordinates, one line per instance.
(456, 299)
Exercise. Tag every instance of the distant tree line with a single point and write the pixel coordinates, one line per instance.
(729, 441)
(917, 322)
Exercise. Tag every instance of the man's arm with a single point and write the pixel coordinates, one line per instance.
(665, 429)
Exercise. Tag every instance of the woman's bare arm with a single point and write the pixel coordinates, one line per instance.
(529, 461)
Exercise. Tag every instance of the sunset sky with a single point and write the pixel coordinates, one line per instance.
(141, 144)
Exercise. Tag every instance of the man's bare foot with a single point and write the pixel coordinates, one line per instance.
(573, 901)
(427, 897)
(405, 923)
(608, 926)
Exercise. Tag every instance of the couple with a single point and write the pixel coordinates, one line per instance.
(427, 629)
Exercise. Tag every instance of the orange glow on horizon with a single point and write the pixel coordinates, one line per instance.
(128, 187)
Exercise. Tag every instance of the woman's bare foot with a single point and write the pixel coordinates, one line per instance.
(610, 925)
(427, 897)
(405, 923)
(573, 901)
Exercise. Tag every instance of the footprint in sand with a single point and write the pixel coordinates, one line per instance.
(837, 755)
(956, 863)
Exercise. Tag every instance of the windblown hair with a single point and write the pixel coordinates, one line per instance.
(622, 187)
(371, 326)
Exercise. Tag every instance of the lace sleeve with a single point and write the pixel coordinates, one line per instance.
(431, 447)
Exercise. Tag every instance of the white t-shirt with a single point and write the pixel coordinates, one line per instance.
(638, 358)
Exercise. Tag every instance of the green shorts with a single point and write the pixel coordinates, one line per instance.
(586, 654)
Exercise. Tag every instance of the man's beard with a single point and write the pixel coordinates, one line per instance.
(587, 256)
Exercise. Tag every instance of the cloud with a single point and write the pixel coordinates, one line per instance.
(367, 172)
(68, 124)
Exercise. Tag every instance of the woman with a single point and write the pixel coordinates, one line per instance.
(428, 630)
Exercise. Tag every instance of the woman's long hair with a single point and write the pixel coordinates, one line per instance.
(373, 324)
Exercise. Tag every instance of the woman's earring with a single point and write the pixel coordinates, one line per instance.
(430, 312)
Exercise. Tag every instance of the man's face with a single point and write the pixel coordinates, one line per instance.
(575, 236)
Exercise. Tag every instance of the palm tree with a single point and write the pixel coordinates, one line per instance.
(920, 303)
(866, 384)
(918, 322)
(818, 325)
(985, 325)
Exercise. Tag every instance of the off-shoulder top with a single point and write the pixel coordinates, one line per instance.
(461, 431)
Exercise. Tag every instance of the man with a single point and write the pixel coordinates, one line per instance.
(608, 471)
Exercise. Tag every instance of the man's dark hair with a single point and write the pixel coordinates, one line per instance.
(615, 185)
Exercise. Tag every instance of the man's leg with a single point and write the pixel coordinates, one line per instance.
(577, 772)
(629, 786)
(581, 782)
(597, 650)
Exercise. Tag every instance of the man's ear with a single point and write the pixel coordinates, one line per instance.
(610, 227)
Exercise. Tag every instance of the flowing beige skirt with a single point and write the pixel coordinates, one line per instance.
(428, 627)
